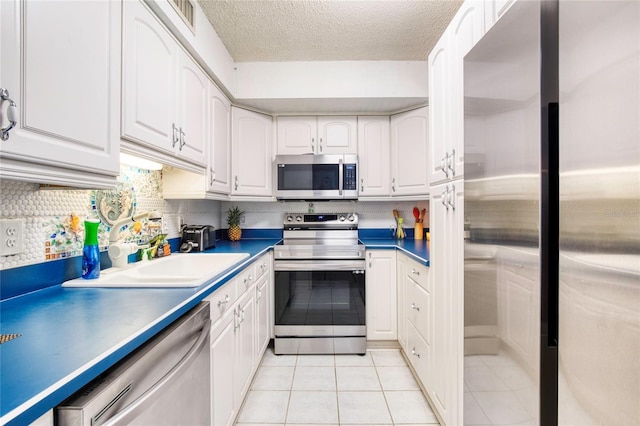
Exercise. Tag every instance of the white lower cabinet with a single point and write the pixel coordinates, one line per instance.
(380, 295)
(417, 318)
(223, 338)
(240, 312)
(245, 359)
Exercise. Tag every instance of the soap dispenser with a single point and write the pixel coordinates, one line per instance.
(91, 250)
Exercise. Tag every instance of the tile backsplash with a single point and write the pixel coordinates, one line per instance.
(54, 218)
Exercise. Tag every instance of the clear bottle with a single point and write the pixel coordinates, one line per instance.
(91, 250)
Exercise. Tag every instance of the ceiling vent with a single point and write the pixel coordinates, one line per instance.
(186, 11)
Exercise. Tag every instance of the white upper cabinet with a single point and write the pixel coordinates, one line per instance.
(374, 149)
(409, 152)
(317, 135)
(251, 137)
(193, 110)
(439, 101)
(446, 96)
(337, 135)
(60, 75)
(219, 174)
(297, 135)
(164, 108)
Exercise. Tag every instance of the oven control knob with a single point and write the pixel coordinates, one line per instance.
(341, 218)
(289, 218)
(351, 218)
(298, 218)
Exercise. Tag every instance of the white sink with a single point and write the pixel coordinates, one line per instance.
(177, 270)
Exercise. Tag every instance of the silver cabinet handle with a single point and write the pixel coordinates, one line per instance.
(413, 351)
(451, 200)
(223, 302)
(414, 272)
(313, 145)
(183, 138)
(443, 165)
(362, 185)
(445, 196)
(129, 413)
(11, 114)
(235, 185)
(236, 322)
(451, 162)
(175, 135)
(213, 176)
(320, 144)
(414, 307)
(259, 295)
(248, 280)
(393, 184)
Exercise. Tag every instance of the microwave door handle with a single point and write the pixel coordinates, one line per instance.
(152, 394)
(340, 176)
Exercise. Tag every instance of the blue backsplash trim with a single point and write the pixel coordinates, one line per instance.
(25, 279)
(382, 233)
(255, 233)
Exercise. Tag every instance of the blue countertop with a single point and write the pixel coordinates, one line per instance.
(69, 336)
(416, 249)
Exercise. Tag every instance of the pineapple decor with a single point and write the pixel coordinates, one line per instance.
(233, 220)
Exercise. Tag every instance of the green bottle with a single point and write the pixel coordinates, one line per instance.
(91, 250)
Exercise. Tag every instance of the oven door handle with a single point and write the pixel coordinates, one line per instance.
(319, 265)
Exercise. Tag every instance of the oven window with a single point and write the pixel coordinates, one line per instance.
(305, 177)
(319, 298)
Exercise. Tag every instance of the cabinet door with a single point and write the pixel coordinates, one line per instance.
(149, 80)
(381, 297)
(465, 31)
(439, 102)
(337, 135)
(251, 156)
(401, 281)
(374, 149)
(223, 335)
(219, 174)
(409, 147)
(438, 382)
(60, 64)
(193, 110)
(262, 315)
(245, 346)
(297, 135)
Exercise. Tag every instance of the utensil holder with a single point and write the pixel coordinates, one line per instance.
(418, 231)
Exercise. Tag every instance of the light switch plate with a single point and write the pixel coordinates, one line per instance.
(11, 236)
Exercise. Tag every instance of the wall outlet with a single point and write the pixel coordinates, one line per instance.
(11, 236)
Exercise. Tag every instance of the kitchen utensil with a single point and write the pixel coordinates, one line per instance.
(400, 233)
(416, 214)
(422, 215)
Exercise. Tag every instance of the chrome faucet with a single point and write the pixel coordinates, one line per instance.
(118, 251)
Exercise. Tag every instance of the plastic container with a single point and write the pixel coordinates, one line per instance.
(91, 250)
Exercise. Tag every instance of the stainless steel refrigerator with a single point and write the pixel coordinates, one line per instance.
(552, 216)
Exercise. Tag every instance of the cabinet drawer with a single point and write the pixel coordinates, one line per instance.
(263, 266)
(419, 307)
(246, 279)
(419, 273)
(418, 352)
(222, 300)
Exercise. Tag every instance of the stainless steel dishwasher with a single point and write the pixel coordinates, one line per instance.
(167, 381)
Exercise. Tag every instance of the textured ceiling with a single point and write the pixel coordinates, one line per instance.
(329, 30)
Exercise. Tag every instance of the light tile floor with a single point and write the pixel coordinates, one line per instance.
(375, 389)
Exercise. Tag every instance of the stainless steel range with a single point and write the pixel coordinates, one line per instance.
(320, 286)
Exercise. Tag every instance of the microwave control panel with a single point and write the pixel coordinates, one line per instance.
(350, 178)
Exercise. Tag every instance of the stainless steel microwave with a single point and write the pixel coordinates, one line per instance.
(316, 177)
